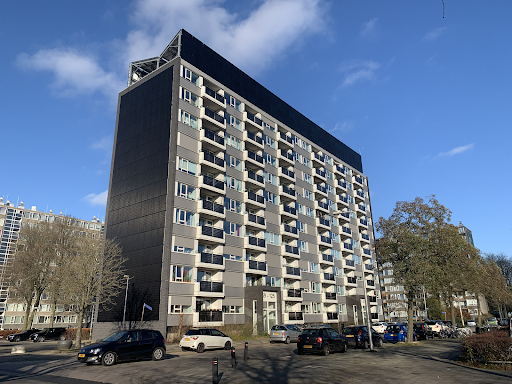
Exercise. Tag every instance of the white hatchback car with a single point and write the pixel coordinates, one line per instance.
(204, 338)
(379, 327)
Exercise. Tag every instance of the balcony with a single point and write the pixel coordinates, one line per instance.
(212, 184)
(253, 158)
(367, 251)
(210, 160)
(325, 240)
(211, 234)
(255, 243)
(369, 268)
(295, 316)
(361, 210)
(254, 178)
(363, 223)
(322, 206)
(332, 316)
(358, 182)
(347, 247)
(323, 223)
(327, 278)
(209, 94)
(370, 283)
(339, 169)
(286, 174)
(319, 158)
(214, 118)
(286, 156)
(290, 251)
(255, 199)
(210, 208)
(321, 189)
(372, 299)
(341, 184)
(252, 138)
(288, 192)
(288, 211)
(346, 233)
(211, 261)
(349, 264)
(320, 174)
(284, 138)
(290, 231)
(256, 267)
(209, 289)
(292, 272)
(345, 216)
(210, 316)
(252, 120)
(365, 238)
(253, 220)
(293, 295)
(213, 139)
(351, 281)
(327, 259)
(330, 295)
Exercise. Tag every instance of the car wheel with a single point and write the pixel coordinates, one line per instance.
(366, 344)
(158, 353)
(227, 346)
(200, 348)
(17, 339)
(271, 341)
(380, 344)
(325, 350)
(108, 359)
(41, 339)
(287, 341)
(344, 347)
(300, 351)
(185, 349)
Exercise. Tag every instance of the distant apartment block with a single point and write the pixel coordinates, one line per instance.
(12, 310)
(232, 207)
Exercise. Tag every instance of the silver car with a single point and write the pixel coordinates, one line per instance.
(285, 333)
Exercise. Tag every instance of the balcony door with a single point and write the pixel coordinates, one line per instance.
(269, 310)
(204, 276)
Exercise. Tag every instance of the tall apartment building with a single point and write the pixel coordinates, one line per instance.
(12, 310)
(231, 207)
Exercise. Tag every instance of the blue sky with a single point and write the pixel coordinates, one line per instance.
(425, 99)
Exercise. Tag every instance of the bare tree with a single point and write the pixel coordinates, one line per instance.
(94, 275)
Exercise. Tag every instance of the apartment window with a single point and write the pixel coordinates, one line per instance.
(233, 183)
(232, 229)
(181, 274)
(336, 254)
(301, 227)
(340, 290)
(176, 308)
(232, 205)
(314, 287)
(317, 307)
(234, 122)
(388, 280)
(269, 141)
(328, 159)
(355, 243)
(233, 141)
(233, 257)
(189, 75)
(306, 146)
(313, 267)
(189, 97)
(342, 308)
(183, 217)
(307, 178)
(349, 185)
(268, 126)
(306, 162)
(271, 238)
(334, 221)
(335, 237)
(337, 271)
(300, 208)
(269, 159)
(272, 179)
(272, 281)
(309, 195)
(233, 162)
(186, 191)
(232, 309)
(230, 100)
(270, 197)
(183, 249)
(187, 166)
(45, 308)
(310, 212)
(188, 119)
(302, 245)
(298, 157)
(330, 189)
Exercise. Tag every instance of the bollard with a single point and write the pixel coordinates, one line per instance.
(215, 371)
(246, 351)
(233, 358)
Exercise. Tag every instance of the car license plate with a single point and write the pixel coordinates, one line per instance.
(393, 334)
(308, 346)
(81, 355)
(276, 333)
(350, 335)
(187, 339)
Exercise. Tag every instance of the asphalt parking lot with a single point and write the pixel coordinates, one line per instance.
(426, 362)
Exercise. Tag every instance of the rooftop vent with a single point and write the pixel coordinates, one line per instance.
(22, 205)
(33, 208)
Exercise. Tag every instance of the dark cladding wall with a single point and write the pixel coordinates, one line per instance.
(207, 60)
(137, 199)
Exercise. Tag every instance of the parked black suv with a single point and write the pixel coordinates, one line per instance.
(357, 335)
(321, 339)
(125, 345)
(48, 334)
(21, 336)
(423, 331)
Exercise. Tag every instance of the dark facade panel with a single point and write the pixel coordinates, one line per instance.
(210, 62)
(137, 199)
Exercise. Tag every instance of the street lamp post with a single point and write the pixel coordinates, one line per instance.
(366, 301)
(125, 299)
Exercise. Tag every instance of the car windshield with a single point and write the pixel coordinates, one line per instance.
(310, 332)
(350, 330)
(394, 328)
(278, 328)
(115, 336)
(195, 332)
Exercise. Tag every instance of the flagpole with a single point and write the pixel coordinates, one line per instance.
(142, 318)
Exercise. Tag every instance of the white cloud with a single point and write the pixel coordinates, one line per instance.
(342, 126)
(103, 144)
(252, 42)
(74, 73)
(369, 28)
(358, 70)
(456, 151)
(434, 34)
(97, 199)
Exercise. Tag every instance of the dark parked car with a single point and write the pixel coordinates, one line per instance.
(423, 331)
(124, 345)
(321, 339)
(21, 336)
(357, 335)
(48, 334)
